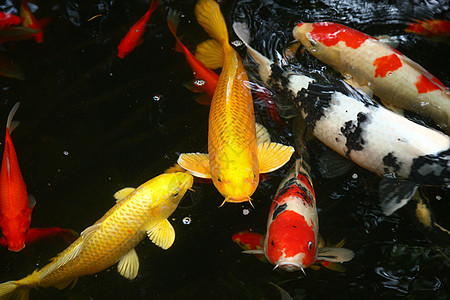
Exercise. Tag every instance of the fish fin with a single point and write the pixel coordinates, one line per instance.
(335, 254)
(394, 193)
(391, 41)
(119, 195)
(128, 265)
(291, 51)
(262, 135)
(203, 99)
(284, 295)
(173, 20)
(161, 233)
(35, 234)
(196, 163)
(363, 88)
(59, 261)
(332, 165)
(64, 284)
(423, 212)
(333, 266)
(257, 251)
(211, 19)
(241, 30)
(31, 201)
(272, 156)
(210, 54)
(14, 290)
(10, 68)
(11, 116)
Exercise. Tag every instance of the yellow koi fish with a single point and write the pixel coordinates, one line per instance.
(235, 158)
(138, 212)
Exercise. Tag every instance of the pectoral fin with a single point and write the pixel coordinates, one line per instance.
(262, 135)
(335, 254)
(196, 163)
(119, 195)
(64, 284)
(394, 193)
(161, 233)
(210, 54)
(257, 251)
(128, 265)
(272, 156)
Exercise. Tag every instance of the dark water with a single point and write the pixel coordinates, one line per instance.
(92, 124)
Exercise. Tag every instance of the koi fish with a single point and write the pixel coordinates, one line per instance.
(349, 122)
(8, 20)
(30, 21)
(394, 78)
(133, 38)
(235, 160)
(138, 212)
(433, 29)
(291, 241)
(206, 78)
(15, 204)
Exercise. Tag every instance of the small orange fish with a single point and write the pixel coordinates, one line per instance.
(30, 21)
(15, 204)
(234, 160)
(430, 28)
(134, 36)
(7, 20)
(206, 78)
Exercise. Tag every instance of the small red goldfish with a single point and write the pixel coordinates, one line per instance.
(206, 78)
(15, 204)
(430, 28)
(30, 21)
(7, 20)
(134, 36)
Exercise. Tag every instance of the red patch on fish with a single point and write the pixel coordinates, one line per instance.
(387, 64)
(330, 34)
(289, 234)
(425, 85)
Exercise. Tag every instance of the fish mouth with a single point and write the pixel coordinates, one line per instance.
(290, 266)
(237, 200)
(16, 248)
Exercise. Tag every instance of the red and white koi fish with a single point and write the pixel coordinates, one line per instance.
(134, 36)
(206, 79)
(30, 21)
(394, 78)
(348, 121)
(15, 204)
(8, 20)
(432, 29)
(291, 241)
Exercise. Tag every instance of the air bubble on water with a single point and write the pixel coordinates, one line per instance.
(199, 82)
(186, 221)
(245, 211)
(354, 176)
(236, 43)
(157, 97)
(66, 153)
(438, 197)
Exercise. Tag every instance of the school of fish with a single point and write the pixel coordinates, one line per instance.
(339, 111)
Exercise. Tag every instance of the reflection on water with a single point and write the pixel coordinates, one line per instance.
(92, 124)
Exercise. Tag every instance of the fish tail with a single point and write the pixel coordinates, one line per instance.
(153, 6)
(210, 18)
(11, 116)
(15, 290)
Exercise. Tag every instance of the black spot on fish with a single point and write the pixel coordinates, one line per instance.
(432, 169)
(353, 133)
(278, 211)
(278, 82)
(391, 163)
(272, 243)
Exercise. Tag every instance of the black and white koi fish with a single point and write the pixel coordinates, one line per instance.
(352, 124)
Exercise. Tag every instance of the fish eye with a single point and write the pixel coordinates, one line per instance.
(219, 180)
(309, 245)
(312, 42)
(175, 194)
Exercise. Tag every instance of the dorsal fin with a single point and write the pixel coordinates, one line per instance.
(11, 116)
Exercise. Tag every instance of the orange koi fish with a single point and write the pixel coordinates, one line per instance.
(395, 79)
(206, 78)
(434, 29)
(15, 204)
(7, 20)
(235, 159)
(30, 21)
(134, 36)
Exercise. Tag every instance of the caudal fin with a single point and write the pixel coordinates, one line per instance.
(14, 290)
(210, 18)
